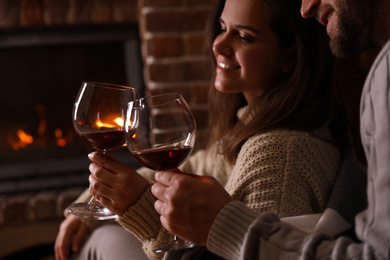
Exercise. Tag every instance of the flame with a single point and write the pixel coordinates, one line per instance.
(41, 112)
(21, 139)
(118, 122)
(24, 139)
(60, 140)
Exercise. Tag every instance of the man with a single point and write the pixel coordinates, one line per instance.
(236, 232)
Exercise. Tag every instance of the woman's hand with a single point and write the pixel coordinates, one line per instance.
(70, 237)
(188, 204)
(114, 184)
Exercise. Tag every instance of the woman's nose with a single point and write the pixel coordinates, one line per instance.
(309, 8)
(221, 46)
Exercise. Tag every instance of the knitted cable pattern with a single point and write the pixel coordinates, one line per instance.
(285, 172)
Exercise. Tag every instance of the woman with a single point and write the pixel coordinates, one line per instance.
(276, 123)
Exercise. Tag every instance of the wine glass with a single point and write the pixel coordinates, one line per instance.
(98, 118)
(160, 133)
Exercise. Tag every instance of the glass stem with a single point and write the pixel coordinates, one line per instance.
(93, 203)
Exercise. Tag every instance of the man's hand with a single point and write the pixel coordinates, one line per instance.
(188, 204)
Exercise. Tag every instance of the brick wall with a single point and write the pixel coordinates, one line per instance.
(38, 13)
(172, 34)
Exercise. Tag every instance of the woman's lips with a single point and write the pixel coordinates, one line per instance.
(227, 66)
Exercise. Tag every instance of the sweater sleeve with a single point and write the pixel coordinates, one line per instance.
(285, 172)
(240, 233)
(143, 221)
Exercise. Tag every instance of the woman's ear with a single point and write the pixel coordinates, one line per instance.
(291, 59)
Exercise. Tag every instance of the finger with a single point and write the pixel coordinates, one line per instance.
(168, 225)
(207, 179)
(99, 197)
(107, 162)
(169, 177)
(101, 174)
(165, 177)
(79, 237)
(96, 187)
(60, 253)
(177, 170)
(104, 201)
(158, 191)
(164, 223)
(62, 245)
(158, 206)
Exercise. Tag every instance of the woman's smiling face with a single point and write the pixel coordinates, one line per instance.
(249, 56)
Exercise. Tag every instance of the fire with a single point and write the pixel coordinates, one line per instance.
(60, 140)
(24, 139)
(21, 138)
(118, 122)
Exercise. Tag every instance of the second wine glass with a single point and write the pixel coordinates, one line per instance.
(98, 118)
(160, 133)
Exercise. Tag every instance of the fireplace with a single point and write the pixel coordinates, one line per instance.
(172, 38)
(42, 71)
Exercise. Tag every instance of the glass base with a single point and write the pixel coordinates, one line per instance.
(91, 211)
(175, 245)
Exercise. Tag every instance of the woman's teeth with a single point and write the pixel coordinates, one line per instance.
(226, 66)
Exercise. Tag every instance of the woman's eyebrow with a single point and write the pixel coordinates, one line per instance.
(248, 28)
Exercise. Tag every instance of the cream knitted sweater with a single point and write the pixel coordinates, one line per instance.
(285, 172)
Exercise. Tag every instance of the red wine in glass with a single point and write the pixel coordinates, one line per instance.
(165, 158)
(98, 116)
(105, 140)
(160, 133)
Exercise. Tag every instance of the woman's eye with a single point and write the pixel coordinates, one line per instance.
(246, 39)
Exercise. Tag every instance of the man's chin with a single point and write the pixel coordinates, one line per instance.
(344, 48)
(338, 51)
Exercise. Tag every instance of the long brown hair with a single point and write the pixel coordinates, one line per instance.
(305, 100)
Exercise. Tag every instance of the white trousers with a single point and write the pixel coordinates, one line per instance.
(109, 242)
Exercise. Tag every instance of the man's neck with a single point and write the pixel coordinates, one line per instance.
(382, 26)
